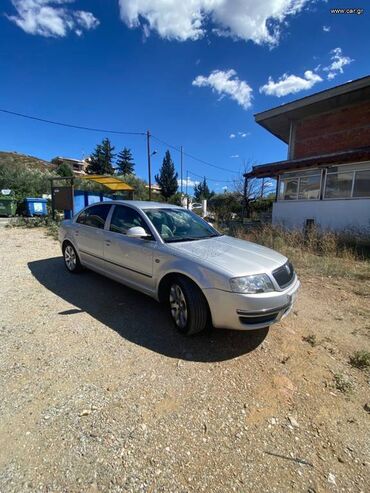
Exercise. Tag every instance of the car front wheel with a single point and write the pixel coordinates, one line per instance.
(71, 260)
(188, 307)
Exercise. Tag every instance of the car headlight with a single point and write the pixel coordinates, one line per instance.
(259, 283)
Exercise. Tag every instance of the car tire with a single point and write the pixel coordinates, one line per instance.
(71, 259)
(187, 306)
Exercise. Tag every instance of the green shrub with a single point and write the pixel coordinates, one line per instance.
(24, 182)
(360, 359)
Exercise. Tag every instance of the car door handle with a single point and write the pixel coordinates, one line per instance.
(107, 242)
(76, 233)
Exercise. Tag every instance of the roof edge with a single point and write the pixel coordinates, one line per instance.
(332, 92)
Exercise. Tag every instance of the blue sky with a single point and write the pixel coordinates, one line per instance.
(193, 75)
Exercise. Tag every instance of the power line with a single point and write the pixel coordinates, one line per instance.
(119, 132)
(192, 157)
(211, 179)
(69, 125)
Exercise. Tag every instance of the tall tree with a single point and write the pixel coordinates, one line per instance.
(125, 162)
(167, 177)
(101, 160)
(202, 191)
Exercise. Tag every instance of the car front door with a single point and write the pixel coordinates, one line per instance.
(129, 260)
(88, 234)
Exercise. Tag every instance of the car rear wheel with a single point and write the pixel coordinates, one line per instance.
(71, 260)
(188, 307)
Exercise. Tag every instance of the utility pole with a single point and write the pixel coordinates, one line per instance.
(182, 158)
(186, 190)
(149, 164)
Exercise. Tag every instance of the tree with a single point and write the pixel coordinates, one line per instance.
(258, 193)
(202, 191)
(64, 170)
(101, 160)
(125, 162)
(140, 186)
(167, 178)
(226, 206)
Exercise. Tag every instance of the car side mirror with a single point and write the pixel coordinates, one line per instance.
(137, 232)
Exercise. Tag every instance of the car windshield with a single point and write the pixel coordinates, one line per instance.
(180, 225)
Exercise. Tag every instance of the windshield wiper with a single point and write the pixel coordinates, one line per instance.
(189, 238)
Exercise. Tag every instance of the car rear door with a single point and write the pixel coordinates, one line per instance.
(88, 234)
(129, 260)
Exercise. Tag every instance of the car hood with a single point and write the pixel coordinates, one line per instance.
(237, 257)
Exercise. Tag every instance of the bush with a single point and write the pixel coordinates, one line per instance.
(24, 182)
(175, 199)
(360, 359)
(225, 206)
(342, 383)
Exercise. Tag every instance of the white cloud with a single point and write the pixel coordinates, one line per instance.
(290, 84)
(260, 22)
(338, 62)
(227, 83)
(242, 135)
(51, 18)
(326, 29)
(191, 183)
(235, 156)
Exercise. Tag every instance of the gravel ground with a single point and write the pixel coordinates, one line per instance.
(99, 394)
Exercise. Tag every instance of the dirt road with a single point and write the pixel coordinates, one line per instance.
(99, 394)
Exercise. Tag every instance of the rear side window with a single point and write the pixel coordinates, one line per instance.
(94, 216)
(124, 218)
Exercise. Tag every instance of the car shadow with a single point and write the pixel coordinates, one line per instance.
(137, 317)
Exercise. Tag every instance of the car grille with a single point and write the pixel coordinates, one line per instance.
(284, 275)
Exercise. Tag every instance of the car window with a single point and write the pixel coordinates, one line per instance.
(94, 216)
(180, 225)
(124, 218)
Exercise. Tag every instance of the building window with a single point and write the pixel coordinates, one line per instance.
(288, 188)
(361, 187)
(347, 182)
(342, 182)
(338, 185)
(304, 185)
(309, 187)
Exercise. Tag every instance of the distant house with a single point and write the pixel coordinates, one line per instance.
(78, 166)
(326, 178)
(155, 188)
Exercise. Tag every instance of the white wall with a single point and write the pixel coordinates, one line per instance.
(328, 214)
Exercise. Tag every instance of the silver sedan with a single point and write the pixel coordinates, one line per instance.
(174, 256)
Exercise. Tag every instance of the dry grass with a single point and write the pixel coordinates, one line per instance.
(326, 254)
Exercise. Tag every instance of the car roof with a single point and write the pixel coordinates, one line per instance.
(141, 204)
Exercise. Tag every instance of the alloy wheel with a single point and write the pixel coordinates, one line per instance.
(70, 258)
(178, 306)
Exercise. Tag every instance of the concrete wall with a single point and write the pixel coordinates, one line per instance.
(329, 214)
(338, 130)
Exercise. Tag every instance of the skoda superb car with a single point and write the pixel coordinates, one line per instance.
(174, 256)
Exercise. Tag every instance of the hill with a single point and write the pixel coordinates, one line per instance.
(24, 161)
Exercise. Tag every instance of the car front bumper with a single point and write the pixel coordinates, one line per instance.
(250, 311)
